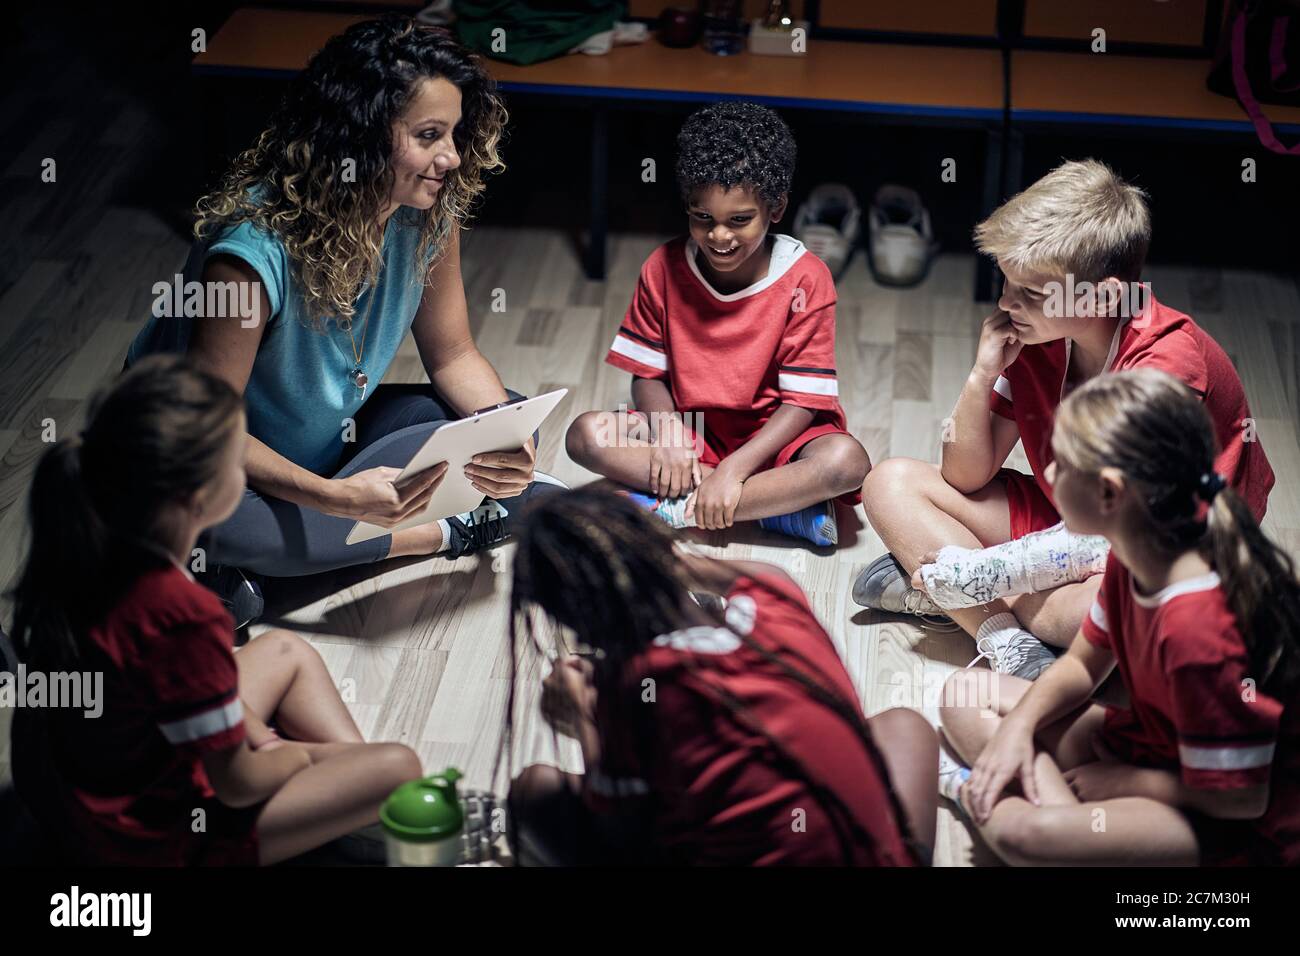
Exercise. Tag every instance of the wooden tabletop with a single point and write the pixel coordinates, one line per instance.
(1101, 86)
(866, 76)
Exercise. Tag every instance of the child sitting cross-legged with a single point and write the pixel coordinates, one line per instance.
(190, 753)
(987, 540)
(730, 339)
(721, 730)
(1200, 614)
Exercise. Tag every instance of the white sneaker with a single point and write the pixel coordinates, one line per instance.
(901, 240)
(828, 223)
(1023, 656)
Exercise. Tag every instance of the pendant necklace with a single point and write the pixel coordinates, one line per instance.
(358, 375)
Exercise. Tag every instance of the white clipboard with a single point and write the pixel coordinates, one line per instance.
(503, 428)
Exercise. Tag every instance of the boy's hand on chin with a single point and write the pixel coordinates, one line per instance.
(999, 345)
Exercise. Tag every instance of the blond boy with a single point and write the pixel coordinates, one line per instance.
(986, 541)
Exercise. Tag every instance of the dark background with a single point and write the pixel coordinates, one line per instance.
(61, 59)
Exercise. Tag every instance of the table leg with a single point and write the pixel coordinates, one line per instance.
(599, 224)
(993, 141)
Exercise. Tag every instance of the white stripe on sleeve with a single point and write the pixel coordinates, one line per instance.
(1098, 616)
(1003, 387)
(808, 384)
(206, 724)
(1226, 758)
(639, 353)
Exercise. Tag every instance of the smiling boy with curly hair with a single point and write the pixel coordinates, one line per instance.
(730, 339)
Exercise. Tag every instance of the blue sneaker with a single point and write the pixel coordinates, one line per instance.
(816, 523)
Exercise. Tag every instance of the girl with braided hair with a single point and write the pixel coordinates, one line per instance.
(713, 732)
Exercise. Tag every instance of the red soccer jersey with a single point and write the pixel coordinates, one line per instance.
(721, 793)
(1194, 703)
(124, 788)
(1030, 390)
(751, 351)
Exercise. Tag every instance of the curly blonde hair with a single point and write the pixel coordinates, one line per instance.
(342, 107)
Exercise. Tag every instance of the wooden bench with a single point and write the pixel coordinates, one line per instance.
(1152, 97)
(1187, 25)
(978, 80)
(951, 86)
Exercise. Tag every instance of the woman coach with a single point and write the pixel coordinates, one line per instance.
(340, 228)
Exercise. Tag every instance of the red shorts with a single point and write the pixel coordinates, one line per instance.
(1030, 509)
(725, 431)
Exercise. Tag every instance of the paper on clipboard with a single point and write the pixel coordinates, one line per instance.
(502, 429)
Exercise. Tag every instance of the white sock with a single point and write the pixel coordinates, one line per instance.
(1010, 649)
(1000, 630)
(952, 774)
(446, 535)
(966, 577)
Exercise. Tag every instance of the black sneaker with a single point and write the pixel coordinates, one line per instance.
(241, 595)
(8, 655)
(489, 524)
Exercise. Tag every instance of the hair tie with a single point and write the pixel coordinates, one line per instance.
(1210, 485)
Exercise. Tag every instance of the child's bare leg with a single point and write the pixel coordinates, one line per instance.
(332, 798)
(911, 753)
(1055, 616)
(975, 701)
(1130, 831)
(825, 468)
(615, 445)
(282, 677)
(916, 512)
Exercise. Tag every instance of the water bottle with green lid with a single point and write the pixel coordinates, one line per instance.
(423, 821)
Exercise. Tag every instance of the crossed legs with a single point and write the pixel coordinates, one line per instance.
(916, 512)
(1062, 830)
(282, 679)
(825, 468)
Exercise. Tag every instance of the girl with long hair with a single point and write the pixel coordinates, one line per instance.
(177, 762)
(1200, 613)
(708, 736)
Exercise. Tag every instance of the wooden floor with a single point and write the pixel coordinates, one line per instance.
(420, 648)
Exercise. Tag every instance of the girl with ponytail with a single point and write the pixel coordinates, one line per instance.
(182, 734)
(708, 737)
(1199, 611)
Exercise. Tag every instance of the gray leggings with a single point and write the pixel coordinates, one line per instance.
(276, 538)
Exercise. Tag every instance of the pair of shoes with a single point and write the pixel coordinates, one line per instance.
(884, 586)
(816, 523)
(900, 237)
(489, 524)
